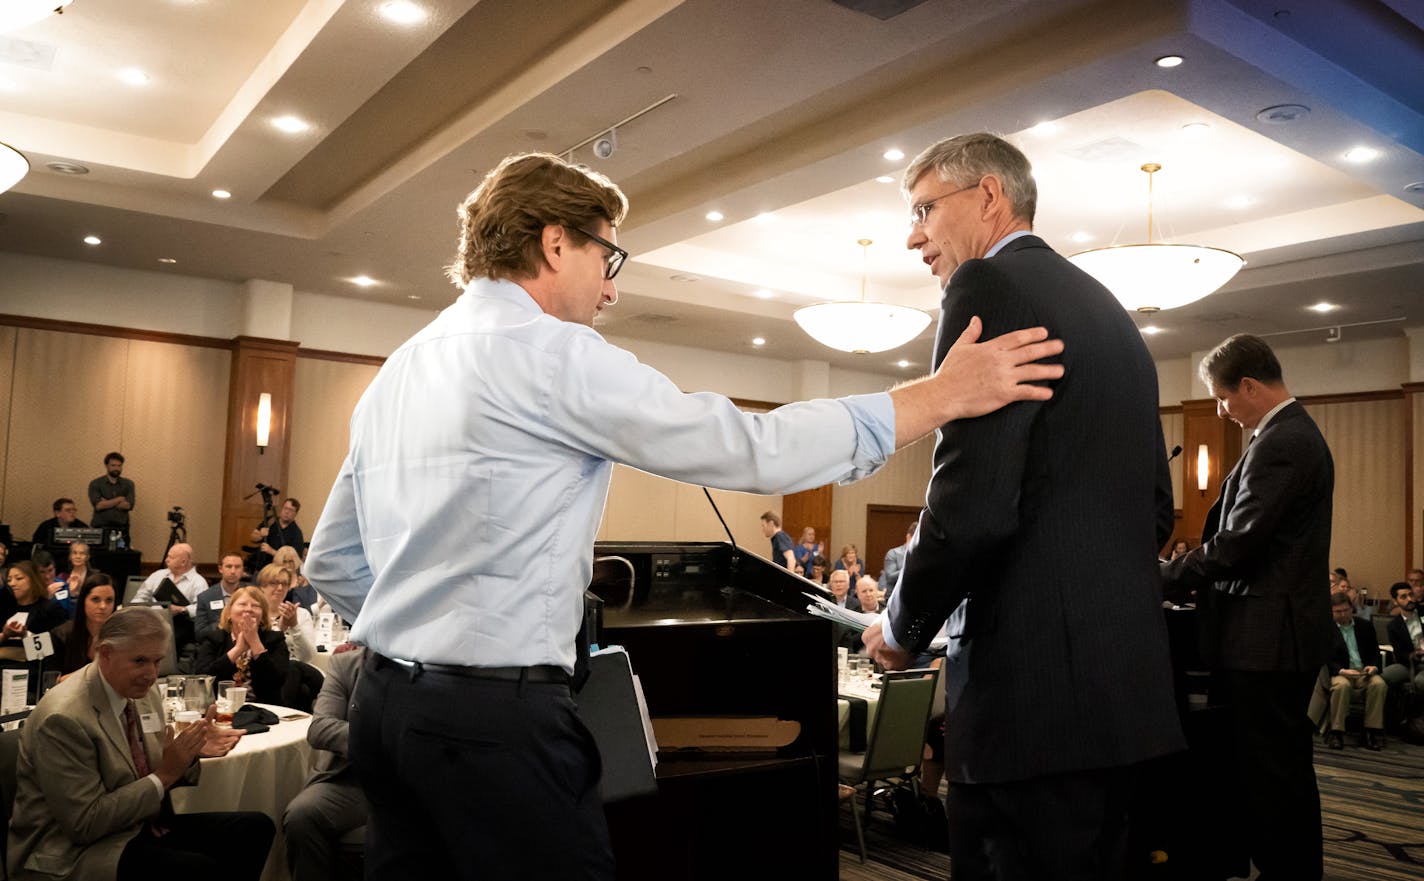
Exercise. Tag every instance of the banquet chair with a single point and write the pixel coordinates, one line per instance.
(896, 741)
(131, 588)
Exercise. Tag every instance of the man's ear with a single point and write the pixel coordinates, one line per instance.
(554, 241)
(991, 193)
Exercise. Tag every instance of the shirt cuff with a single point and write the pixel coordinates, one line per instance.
(874, 418)
(886, 632)
(157, 784)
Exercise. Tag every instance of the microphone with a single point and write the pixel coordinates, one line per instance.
(1176, 451)
(736, 557)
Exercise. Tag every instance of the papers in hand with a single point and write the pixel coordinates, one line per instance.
(858, 621)
(825, 608)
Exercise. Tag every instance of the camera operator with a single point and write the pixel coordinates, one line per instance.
(284, 533)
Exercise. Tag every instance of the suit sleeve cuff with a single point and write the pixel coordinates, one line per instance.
(886, 631)
(157, 784)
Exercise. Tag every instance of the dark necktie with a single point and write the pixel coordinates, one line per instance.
(140, 759)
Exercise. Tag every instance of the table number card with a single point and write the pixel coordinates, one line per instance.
(13, 687)
(38, 645)
(324, 624)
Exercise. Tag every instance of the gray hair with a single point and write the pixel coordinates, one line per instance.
(134, 624)
(964, 160)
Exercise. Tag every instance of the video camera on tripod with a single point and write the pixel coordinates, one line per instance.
(269, 519)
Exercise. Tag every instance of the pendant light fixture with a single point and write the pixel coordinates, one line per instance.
(13, 166)
(1152, 276)
(861, 326)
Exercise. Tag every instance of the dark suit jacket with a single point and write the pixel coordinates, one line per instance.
(1261, 572)
(1366, 641)
(1399, 638)
(1081, 481)
(330, 731)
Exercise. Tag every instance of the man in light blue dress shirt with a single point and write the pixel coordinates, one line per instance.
(459, 533)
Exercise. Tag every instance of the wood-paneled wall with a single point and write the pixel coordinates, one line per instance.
(324, 394)
(902, 481)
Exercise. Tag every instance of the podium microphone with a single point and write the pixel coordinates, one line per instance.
(1176, 451)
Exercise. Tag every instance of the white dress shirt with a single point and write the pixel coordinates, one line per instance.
(190, 583)
(462, 522)
(118, 703)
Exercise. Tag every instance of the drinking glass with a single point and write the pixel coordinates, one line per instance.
(224, 703)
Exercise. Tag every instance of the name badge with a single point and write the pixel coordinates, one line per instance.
(215, 605)
(150, 723)
(61, 594)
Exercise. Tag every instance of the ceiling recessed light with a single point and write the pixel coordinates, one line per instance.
(902, 363)
(1081, 236)
(291, 124)
(134, 77)
(763, 293)
(166, 260)
(894, 155)
(221, 194)
(1240, 201)
(1361, 154)
(1168, 61)
(764, 217)
(403, 12)
(714, 216)
(758, 341)
(1045, 128)
(93, 240)
(1283, 114)
(1151, 330)
(1195, 128)
(885, 179)
(66, 168)
(1323, 307)
(412, 296)
(682, 277)
(364, 281)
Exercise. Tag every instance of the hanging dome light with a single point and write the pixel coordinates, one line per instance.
(13, 166)
(1151, 277)
(16, 14)
(861, 326)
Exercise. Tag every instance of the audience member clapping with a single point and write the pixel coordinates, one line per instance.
(244, 647)
(303, 594)
(35, 611)
(867, 595)
(79, 572)
(850, 562)
(808, 549)
(294, 622)
(94, 604)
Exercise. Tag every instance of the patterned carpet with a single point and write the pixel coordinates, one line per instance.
(1372, 806)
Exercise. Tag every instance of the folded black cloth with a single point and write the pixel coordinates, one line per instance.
(253, 719)
(859, 712)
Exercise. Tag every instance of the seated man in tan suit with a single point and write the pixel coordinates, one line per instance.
(95, 768)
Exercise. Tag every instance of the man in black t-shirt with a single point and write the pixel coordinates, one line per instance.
(285, 532)
(782, 548)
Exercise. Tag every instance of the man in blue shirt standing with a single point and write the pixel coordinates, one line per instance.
(782, 549)
(503, 417)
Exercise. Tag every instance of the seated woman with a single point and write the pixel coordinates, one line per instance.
(95, 603)
(294, 622)
(303, 593)
(850, 562)
(807, 550)
(244, 647)
(31, 597)
(79, 572)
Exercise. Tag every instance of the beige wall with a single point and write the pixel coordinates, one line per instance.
(1173, 430)
(163, 406)
(323, 395)
(642, 507)
(1368, 534)
(902, 481)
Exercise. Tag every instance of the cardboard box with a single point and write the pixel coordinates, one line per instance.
(725, 733)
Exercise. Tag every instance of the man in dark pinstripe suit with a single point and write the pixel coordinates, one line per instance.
(1263, 603)
(1056, 688)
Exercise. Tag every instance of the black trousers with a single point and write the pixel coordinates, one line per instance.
(1272, 742)
(1056, 828)
(216, 846)
(475, 778)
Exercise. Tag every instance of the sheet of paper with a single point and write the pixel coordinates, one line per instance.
(13, 686)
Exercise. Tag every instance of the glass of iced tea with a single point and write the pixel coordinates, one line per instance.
(224, 705)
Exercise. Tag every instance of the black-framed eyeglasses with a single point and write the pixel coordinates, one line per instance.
(616, 255)
(920, 211)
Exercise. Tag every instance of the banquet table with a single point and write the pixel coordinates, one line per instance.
(262, 773)
(864, 691)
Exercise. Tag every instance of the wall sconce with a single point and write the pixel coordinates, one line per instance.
(264, 421)
(1203, 464)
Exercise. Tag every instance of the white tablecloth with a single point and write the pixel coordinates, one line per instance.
(262, 773)
(872, 700)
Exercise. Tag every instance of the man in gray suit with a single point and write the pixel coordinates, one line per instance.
(894, 562)
(95, 769)
(1263, 603)
(1041, 746)
(333, 803)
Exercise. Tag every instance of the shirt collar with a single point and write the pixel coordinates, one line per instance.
(117, 702)
(1270, 414)
(502, 289)
(999, 245)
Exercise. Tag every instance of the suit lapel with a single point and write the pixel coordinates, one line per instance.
(103, 713)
